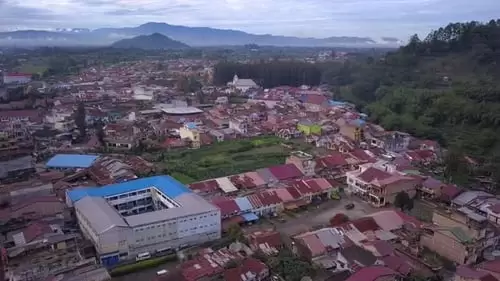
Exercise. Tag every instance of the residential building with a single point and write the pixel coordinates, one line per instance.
(121, 136)
(239, 124)
(458, 235)
(379, 184)
(303, 161)
(190, 131)
(143, 216)
(309, 128)
(250, 269)
(16, 78)
(390, 141)
(17, 168)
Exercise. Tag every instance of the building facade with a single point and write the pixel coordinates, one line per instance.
(143, 216)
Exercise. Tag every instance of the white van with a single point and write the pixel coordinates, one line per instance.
(143, 256)
(162, 272)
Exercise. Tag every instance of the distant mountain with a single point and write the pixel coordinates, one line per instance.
(192, 36)
(155, 41)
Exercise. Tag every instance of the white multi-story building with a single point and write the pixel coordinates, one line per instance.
(141, 216)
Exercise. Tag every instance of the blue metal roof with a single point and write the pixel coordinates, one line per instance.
(71, 161)
(166, 184)
(191, 125)
(250, 217)
(243, 204)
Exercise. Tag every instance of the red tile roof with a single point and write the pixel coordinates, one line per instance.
(269, 198)
(249, 267)
(271, 238)
(449, 191)
(294, 192)
(372, 173)
(365, 224)
(227, 207)
(207, 186)
(285, 172)
(397, 264)
(199, 268)
(35, 230)
(362, 155)
(371, 273)
(332, 161)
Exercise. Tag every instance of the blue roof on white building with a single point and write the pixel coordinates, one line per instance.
(166, 184)
(71, 161)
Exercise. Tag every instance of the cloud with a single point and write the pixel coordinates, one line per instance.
(311, 18)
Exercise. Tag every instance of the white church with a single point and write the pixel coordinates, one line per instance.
(242, 84)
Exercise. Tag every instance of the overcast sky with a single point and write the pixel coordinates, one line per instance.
(304, 18)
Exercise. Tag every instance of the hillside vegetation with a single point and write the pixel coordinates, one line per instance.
(444, 87)
(155, 41)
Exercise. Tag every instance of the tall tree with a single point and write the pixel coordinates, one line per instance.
(80, 119)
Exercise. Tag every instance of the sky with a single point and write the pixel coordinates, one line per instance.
(302, 18)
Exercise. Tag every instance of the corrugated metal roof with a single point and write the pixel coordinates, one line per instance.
(100, 215)
(166, 184)
(243, 204)
(71, 161)
(226, 185)
(328, 238)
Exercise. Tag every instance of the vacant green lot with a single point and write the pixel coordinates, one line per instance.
(225, 158)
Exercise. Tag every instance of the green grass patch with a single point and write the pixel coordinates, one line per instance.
(182, 178)
(225, 158)
(33, 68)
(138, 266)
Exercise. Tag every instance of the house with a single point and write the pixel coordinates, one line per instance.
(379, 185)
(333, 166)
(190, 131)
(267, 241)
(121, 136)
(374, 273)
(431, 188)
(265, 203)
(303, 161)
(390, 141)
(309, 128)
(285, 172)
(33, 207)
(239, 124)
(17, 168)
(250, 269)
(459, 235)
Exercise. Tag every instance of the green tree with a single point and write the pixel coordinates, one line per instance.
(403, 201)
(235, 233)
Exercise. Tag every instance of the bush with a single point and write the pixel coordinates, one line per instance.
(138, 266)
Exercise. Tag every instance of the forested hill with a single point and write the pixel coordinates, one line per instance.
(444, 87)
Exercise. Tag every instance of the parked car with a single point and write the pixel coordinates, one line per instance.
(349, 206)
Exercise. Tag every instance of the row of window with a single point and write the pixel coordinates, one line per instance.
(112, 198)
